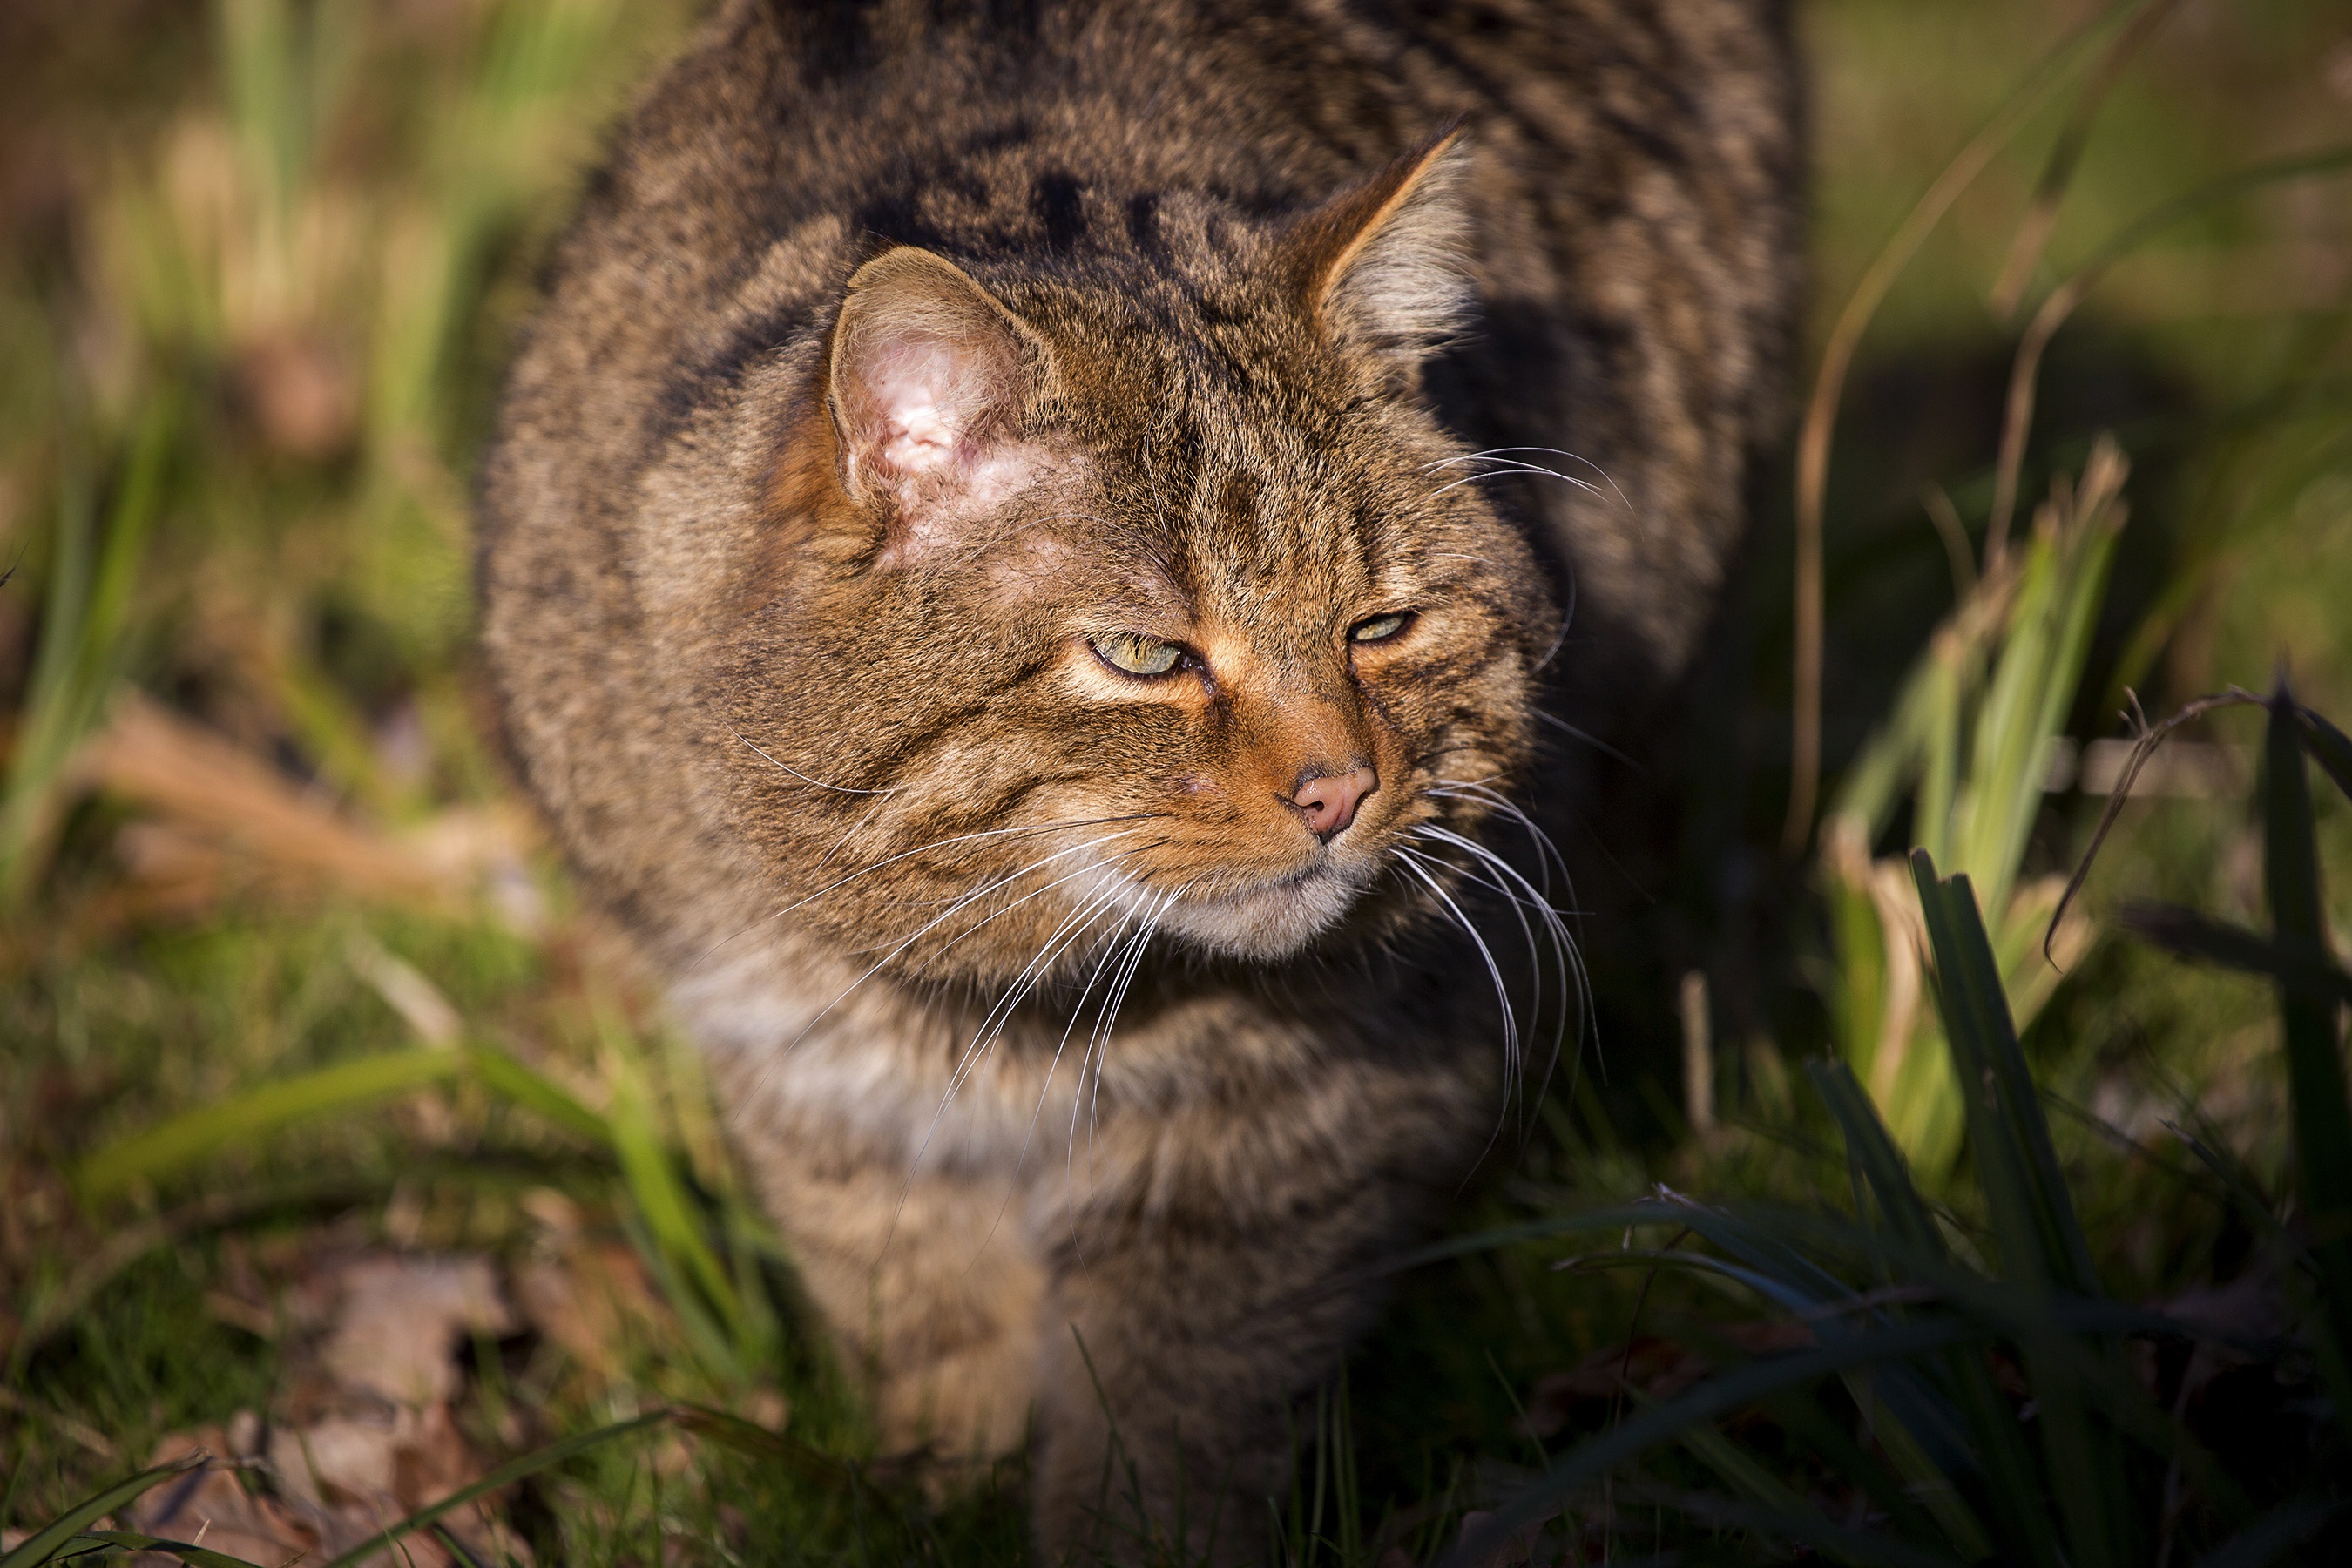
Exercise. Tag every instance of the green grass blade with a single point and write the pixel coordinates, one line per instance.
(1715, 1396)
(1891, 757)
(1915, 1494)
(756, 1442)
(2045, 644)
(83, 636)
(38, 751)
(2192, 935)
(186, 1551)
(1802, 1523)
(2005, 743)
(535, 1092)
(1877, 1163)
(2291, 882)
(46, 1543)
(2041, 1237)
(652, 1176)
(131, 519)
(2018, 1506)
(2034, 1214)
(2246, 1194)
(249, 1116)
(1953, 683)
(2288, 1525)
(1778, 1511)
(704, 1334)
(2330, 748)
(506, 1475)
(2323, 1118)
(1797, 1518)
(1926, 1487)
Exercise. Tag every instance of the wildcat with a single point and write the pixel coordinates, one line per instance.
(1021, 560)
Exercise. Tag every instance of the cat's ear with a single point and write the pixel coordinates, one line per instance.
(927, 375)
(1386, 262)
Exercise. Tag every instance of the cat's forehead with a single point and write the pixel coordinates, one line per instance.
(1252, 512)
(1247, 475)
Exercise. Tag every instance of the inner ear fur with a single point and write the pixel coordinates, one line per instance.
(1387, 260)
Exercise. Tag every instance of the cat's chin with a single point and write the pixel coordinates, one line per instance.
(1272, 922)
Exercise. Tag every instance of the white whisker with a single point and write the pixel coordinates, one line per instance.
(1064, 936)
(1527, 896)
(960, 904)
(1054, 1065)
(706, 954)
(966, 838)
(1496, 453)
(1547, 854)
(1501, 469)
(1518, 908)
(1568, 962)
(1413, 863)
(854, 829)
(1098, 1048)
(1595, 741)
(820, 783)
(1106, 1017)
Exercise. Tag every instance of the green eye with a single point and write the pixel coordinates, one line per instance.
(1380, 629)
(1132, 655)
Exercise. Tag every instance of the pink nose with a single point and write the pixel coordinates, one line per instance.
(1330, 801)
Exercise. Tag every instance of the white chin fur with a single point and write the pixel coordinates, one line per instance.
(1269, 922)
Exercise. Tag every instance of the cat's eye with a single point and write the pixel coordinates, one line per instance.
(1380, 629)
(1132, 654)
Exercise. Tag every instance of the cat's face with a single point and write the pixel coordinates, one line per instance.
(1102, 614)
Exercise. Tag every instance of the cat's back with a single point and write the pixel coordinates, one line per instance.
(1635, 176)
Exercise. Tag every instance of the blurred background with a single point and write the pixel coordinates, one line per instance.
(297, 1012)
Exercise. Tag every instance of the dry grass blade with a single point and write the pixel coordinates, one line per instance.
(2025, 370)
(2149, 740)
(1954, 533)
(2041, 218)
(1828, 384)
(149, 754)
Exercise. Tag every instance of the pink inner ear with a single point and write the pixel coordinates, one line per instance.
(920, 404)
(924, 396)
(927, 385)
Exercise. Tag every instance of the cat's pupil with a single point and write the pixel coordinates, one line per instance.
(1132, 654)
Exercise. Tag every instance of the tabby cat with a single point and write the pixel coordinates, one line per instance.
(1023, 559)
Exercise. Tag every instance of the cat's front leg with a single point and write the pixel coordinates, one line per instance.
(933, 1308)
(1213, 1267)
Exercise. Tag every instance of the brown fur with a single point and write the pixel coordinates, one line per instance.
(907, 350)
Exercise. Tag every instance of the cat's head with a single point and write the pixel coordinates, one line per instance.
(1133, 595)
